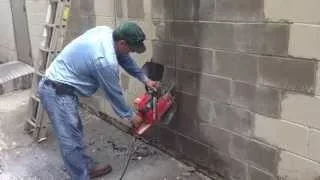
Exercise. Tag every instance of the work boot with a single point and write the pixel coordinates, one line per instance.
(100, 170)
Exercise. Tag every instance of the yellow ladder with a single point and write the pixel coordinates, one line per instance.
(53, 41)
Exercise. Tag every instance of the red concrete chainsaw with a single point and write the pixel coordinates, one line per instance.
(156, 105)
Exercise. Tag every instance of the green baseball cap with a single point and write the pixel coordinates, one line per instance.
(133, 35)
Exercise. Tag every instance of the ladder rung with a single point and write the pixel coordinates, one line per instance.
(47, 50)
(49, 25)
(32, 123)
(35, 98)
(44, 49)
(39, 73)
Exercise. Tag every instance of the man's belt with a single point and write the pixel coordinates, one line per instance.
(61, 88)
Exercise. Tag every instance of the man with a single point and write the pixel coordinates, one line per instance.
(87, 63)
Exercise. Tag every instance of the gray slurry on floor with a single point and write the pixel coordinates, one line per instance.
(21, 158)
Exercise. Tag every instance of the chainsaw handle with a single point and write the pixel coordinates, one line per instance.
(151, 90)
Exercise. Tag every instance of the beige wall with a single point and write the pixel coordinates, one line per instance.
(7, 41)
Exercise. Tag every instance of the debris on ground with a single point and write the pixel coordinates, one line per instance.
(116, 147)
(143, 152)
(23, 158)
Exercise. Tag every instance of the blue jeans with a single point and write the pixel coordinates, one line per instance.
(63, 112)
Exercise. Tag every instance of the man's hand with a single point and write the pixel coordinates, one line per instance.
(151, 84)
(136, 121)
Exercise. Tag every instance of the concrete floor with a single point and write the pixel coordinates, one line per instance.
(21, 158)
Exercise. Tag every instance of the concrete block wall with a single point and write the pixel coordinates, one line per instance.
(7, 41)
(248, 84)
(247, 80)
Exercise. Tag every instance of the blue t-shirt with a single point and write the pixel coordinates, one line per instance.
(89, 62)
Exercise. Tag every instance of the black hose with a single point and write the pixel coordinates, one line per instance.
(131, 151)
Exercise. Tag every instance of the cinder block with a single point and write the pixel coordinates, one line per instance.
(188, 82)
(163, 53)
(304, 41)
(194, 10)
(136, 9)
(119, 8)
(296, 167)
(219, 163)
(239, 147)
(169, 76)
(87, 8)
(191, 111)
(36, 30)
(37, 19)
(217, 138)
(74, 23)
(125, 79)
(147, 10)
(86, 22)
(249, 37)
(244, 10)
(314, 146)
(104, 21)
(214, 88)
(37, 4)
(162, 9)
(232, 118)
(267, 38)
(286, 10)
(222, 36)
(296, 75)
(301, 109)
(203, 34)
(104, 8)
(195, 59)
(263, 100)
(226, 167)
(240, 67)
(238, 169)
(190, 147)
(284, 134)
(169, 139)
(194, 107)
(163, 31)
(263, 156)
(190, 33)
(256, 174)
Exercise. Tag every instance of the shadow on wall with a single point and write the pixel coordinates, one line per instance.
(82, 18)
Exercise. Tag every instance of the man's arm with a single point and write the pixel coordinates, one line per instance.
(109, 80)
(130, 66)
